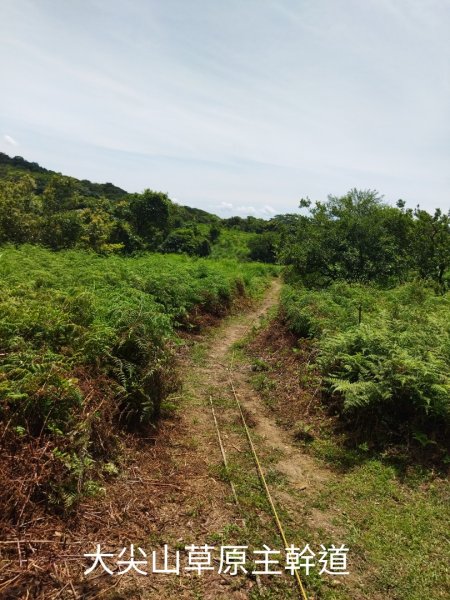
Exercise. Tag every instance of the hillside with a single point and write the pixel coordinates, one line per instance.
(40, 206)
(15, 167)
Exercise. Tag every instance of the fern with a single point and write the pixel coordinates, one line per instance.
(395, 365)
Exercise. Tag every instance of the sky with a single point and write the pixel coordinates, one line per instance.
(237, 107)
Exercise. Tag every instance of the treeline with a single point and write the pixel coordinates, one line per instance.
(359, 238)
(356, 237)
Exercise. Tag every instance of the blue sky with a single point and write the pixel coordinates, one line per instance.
(237, 107)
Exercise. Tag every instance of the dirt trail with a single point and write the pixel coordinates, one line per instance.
(300, 469)
(198, 508)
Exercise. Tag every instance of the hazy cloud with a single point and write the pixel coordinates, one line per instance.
(264, 211)
(9, 140)
(269, 210)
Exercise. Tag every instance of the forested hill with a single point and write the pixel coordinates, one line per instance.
(48, 208)
(40, 206)
(14, 167)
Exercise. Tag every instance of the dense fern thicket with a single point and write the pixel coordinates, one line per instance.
(87, 340)
(90, 306)
(384, 355)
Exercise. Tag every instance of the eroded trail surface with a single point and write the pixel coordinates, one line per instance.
(180, 493)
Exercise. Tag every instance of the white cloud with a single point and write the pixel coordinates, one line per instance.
(10, 140)
(226, 205)
(264, 211)
(249, 210)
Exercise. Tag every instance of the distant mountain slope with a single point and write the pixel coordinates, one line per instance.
(13, 167)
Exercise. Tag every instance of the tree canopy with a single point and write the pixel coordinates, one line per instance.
(358, 237)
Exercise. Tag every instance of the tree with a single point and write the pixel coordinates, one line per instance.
(186, 240)
(432, 244)
(214, 233)
(19, 210)
(356, 237)
(98, 226)
(123, 235)
(263, 247)
(60, 194)
(250, 224)
(149, 216)
(62, 229)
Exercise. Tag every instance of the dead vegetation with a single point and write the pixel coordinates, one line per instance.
(290, 377)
